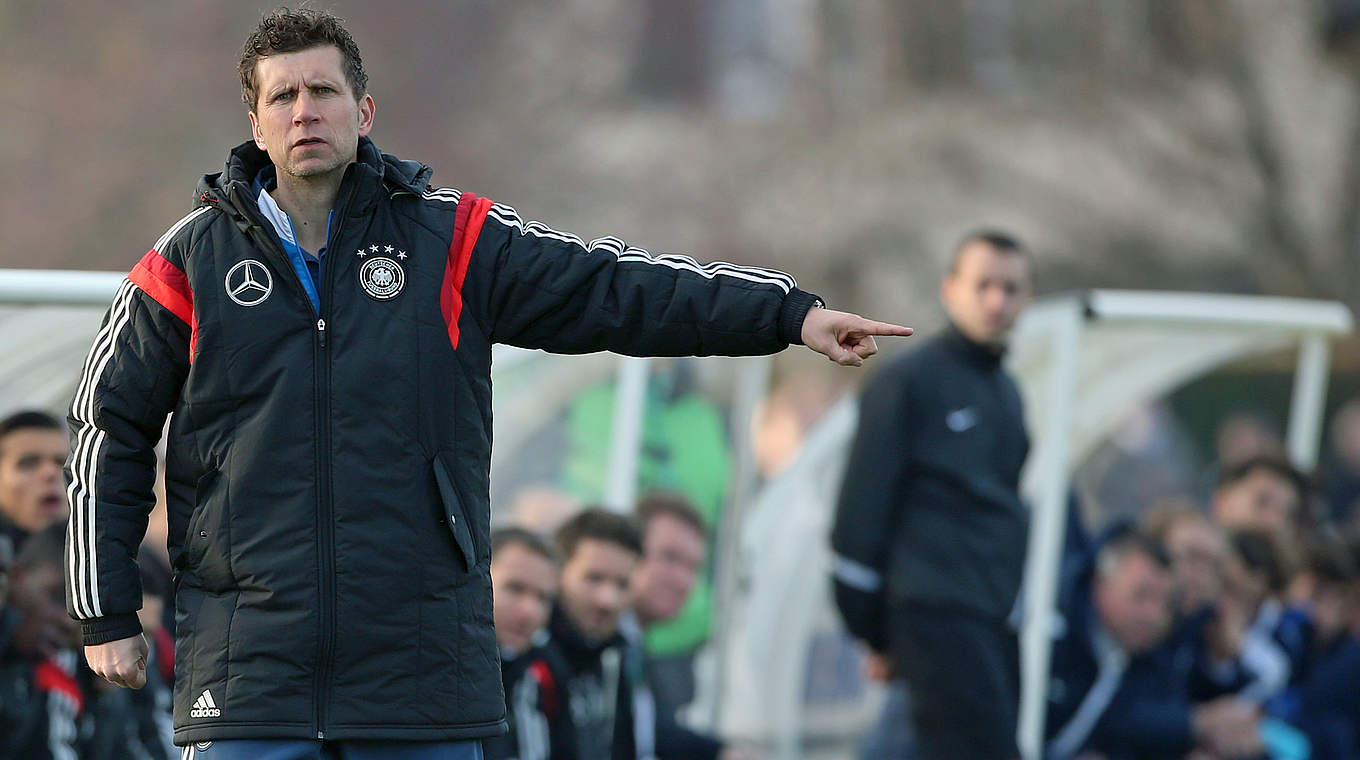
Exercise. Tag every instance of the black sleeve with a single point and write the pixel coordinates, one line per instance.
(541, 288)
(130, 383)
(867, 509)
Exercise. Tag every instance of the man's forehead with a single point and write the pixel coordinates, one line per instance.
(599, 554)
(322, 62)
(29, 440)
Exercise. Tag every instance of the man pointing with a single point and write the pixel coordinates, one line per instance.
(320, 327)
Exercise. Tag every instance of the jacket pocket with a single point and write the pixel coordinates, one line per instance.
(455, 516)
(207, 544)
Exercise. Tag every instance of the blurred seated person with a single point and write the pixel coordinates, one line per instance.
(674, 547)
(1110, 694)
(523, 584)
(1197, 549)
(612, 710)
(42, 699)
(1253, 645)
(1325, 701)
(1264, 493)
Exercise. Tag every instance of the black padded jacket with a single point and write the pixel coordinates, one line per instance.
(327, 471)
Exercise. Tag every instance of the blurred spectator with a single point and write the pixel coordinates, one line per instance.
(674, 545)
(1110, 694)
(1196, 548)
(1325, 702)
(523, 583)
(1267, 493)
(929, 533)
(41, 699)
(1341, 467)
(1253, 643)
(1246, 435)
(33, 451)
(607, 702)
(612, 709)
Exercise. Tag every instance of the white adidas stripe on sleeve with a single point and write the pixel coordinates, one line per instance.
(82, 556)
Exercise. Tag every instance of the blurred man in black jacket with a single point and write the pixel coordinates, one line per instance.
(930, 531)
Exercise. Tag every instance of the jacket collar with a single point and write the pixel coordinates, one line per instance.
(371, 171)
(575, 645)
(986, 356)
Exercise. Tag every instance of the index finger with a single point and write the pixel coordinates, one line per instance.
(870, 327)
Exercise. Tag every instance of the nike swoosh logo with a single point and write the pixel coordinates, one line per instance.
(962, 420)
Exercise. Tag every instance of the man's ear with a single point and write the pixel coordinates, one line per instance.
(367, 108)
(255, 131)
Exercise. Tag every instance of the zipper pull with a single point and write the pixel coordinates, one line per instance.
(321, 331)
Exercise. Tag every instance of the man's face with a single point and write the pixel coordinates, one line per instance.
(1262, 500)
(306, 116)
(1197, 552)
(32, 492)
(595, 586)
(672, 554)
(522, 584)
(1134, 602)
(986, 292)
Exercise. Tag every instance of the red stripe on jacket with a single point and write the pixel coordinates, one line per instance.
(49, 677)
(168, 286)
(467, 226)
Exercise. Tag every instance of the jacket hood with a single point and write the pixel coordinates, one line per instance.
(246, 160)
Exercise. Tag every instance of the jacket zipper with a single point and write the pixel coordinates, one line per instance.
(326, 508)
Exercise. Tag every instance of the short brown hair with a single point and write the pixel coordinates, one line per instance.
(601, 525)
(517, 536)
(285, 30)
(997, 240)
(654, 504)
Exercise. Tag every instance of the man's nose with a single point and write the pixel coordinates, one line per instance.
(304, 109)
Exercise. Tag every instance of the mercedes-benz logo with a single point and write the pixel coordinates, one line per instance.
(249, 283)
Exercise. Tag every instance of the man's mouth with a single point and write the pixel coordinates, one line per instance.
(309, 141)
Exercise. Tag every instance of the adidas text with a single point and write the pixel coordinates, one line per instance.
(204, 707)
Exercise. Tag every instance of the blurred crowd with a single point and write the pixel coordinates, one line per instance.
(575, 595)
(1221, 623)
(1223, 626)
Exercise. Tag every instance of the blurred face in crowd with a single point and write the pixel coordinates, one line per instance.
(32, 489)
(1242, 437)
(45, 583)
(522, 583)
(306, 116)
(673, 553)
(986, 291)
(1262, 500)
(1133, 601)
(1197, 550)
(596, 586)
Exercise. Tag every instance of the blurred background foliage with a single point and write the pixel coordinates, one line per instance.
(1173, 144)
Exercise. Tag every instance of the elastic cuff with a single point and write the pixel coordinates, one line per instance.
(109, 628)
(796, 306)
